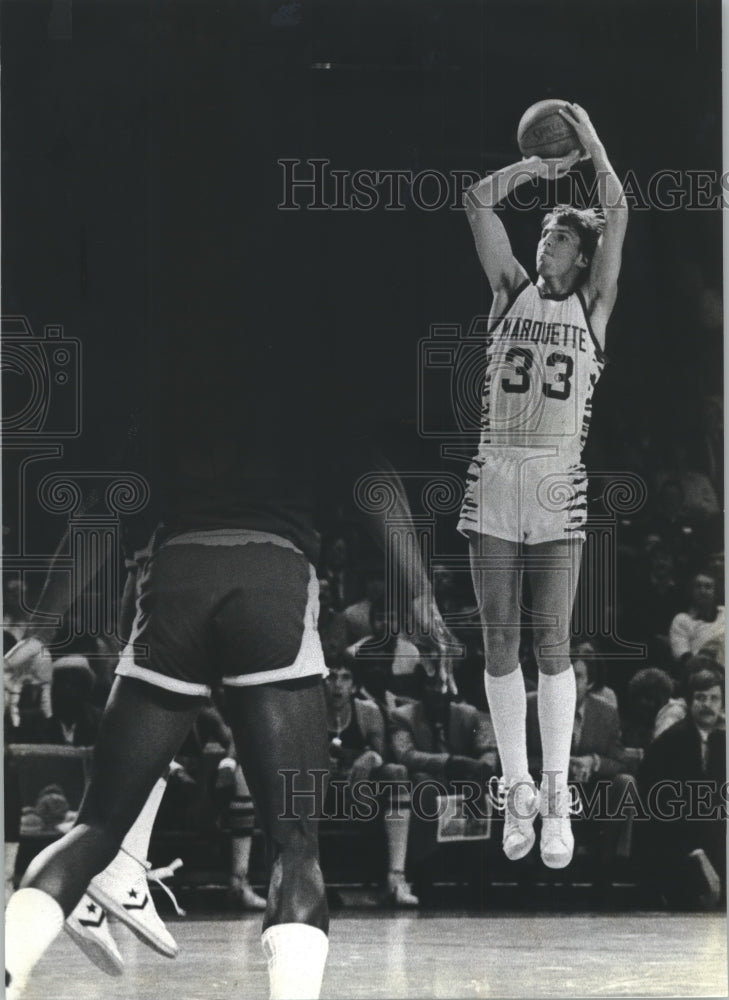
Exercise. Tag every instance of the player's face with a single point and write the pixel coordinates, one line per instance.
(558, 251)
(706, 707)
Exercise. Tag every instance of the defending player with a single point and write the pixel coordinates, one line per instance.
(237, 603)
(525, 502)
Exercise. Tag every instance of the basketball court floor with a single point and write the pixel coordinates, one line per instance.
(427, 954)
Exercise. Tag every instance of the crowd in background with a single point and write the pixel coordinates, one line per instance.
(649, 708)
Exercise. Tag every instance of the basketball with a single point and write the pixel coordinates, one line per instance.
(544, 132)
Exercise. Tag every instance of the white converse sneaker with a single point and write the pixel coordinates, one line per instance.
(519, 801)
(557, 842)
(122, 890)
(88, 927)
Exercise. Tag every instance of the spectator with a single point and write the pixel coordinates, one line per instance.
(385, 663)
(702, 624)
(357, 752)
(598, 754)
(439, 738)
(74, 719)
(683, 844)
(676, 709)
(649, 692)
(597, 673)
(204, 799)
(357, 616)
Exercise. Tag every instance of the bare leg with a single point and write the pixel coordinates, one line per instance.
(280, 727)
(142, 729)
(496, 571)
(496, 574)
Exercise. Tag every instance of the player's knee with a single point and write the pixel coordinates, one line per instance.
(551, 650)
(502, 643)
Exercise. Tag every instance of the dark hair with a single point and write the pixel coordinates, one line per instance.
(585, 222)
(703, 680)
(650, 679)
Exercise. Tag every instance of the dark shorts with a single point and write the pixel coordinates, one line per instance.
(229, 606)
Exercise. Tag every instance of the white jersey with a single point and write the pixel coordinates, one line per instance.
(543, 362)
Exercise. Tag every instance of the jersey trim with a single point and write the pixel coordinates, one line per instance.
(599, 352)
(510, 304)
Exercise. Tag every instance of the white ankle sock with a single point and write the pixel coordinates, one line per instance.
(33, 919)
(556, 705)
(507, 705)
(296, 955)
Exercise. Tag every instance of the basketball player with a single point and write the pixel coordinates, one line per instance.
(525, 501)
(228, 593)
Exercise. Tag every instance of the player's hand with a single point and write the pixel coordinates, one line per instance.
(579, 119)
(552, 169)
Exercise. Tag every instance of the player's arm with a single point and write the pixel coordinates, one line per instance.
(503, 270)
(602, 286)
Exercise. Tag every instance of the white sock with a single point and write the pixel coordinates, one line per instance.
(296, 955)
(137, 839)
(507, 705)
(33, 919)
(556, 705)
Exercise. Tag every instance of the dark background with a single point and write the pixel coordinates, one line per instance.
(140, 193)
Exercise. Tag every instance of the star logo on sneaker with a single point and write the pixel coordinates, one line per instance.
(134, 895)
(92, 921)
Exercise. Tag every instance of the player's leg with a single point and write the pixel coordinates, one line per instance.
(280, 733)
(553, 571)
(395, 801)
(495, 569)
(142, 728)
(242, 823)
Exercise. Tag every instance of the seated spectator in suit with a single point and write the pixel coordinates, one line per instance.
(682, 847)
(597, 672)
(649, 692)
(440, 738)
(702, 624)
(74, 719)
(332, 626)
(357, 752)
(598, 755)
(384, 663)
(676, 708)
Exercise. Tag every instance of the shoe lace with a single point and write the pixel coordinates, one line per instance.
(156, 875)
(496, 791)
(574, 802)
